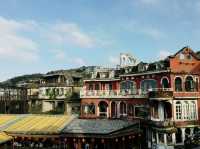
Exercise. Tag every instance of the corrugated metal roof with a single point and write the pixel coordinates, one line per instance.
(39, 124)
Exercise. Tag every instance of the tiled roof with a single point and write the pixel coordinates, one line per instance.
(96, 126)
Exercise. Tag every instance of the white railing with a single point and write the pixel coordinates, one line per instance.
(160, 89)
(112, 93)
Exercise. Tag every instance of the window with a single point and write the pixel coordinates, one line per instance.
(178, 84)
(96, 86)
(61, 91)
(90, 86)
(128, 87)
(140, 112)
(178, 110)
(103, 109)
(89, 109)
(123, 110)
(130, 110)
(189, 84)
(47, 91)
(197, 84)
(193, 110)
(148, 84)
(165, 83)
(113, 109)
(186, 110)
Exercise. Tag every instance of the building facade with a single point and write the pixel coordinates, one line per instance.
(163, 95)
(13, 100)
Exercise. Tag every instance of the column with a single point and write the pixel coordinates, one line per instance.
(183, 134)
(157, 138)
(191, 131)
(118, 109)
(165, 138)
(173, 138)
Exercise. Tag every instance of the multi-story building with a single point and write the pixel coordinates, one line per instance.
(164, 95)
(13, 100)
(60, 93)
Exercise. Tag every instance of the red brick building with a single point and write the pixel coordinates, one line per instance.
(164, 95)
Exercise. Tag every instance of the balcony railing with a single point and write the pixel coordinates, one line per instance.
(164, 123)
(113, 94)
(161, 93)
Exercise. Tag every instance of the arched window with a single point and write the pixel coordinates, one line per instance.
(148, 84)
(165, 83)
(189, 84)
(178, 84)
(128, 87)
(123, 110)
(103, 109)
(113, 109)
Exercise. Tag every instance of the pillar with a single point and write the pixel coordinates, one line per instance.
(157, 138)
(173, 138)
(183, 134)
(191, 131)
(165, 138)
(118, 109)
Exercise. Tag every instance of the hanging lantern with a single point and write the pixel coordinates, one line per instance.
(83, 140)
(65, 139)
(139, 135)
(74, 139)
(129, 137)
(123, 139)
(133, 137)
(102, 141)
(116, 140)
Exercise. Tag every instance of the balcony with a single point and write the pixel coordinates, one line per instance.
(161, 94)
(183, 94)
(112, 94)
(164, 123)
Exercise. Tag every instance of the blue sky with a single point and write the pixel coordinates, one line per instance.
(43, 35)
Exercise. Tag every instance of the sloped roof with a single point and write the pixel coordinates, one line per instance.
(4, 138)
(96, 126)
(39, 124)
(187, 47)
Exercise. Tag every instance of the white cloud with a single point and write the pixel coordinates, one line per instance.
(70, 33)
(13, 45)
(162, 54)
